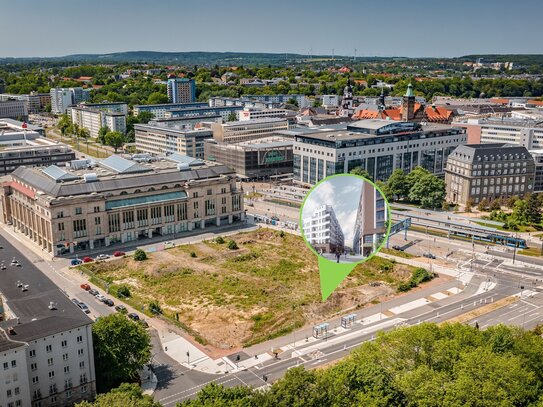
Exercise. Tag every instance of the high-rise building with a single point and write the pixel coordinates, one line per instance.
(371, 217)
(93, 117)
(14, 109)
(323, 231)
(181, 90)
(62, 98)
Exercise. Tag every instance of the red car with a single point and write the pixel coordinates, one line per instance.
(87, 259)
(118, 253)
(85, 287)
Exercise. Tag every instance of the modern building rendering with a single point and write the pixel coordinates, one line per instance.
(235, 132)
(181, 90)
(323, 231)
(159, 110)
(46, 346)
(378, 146)
(371, 217)
(255, 159)
(96, 117)
(118, 200)
(14, 109)
(164, 138)
(62, 98)
(488, 171)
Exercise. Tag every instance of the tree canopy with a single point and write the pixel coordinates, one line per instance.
(114, 139)
(121, 348)
(126, 395)
(425, 365)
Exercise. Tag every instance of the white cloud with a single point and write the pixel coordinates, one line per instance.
(324, 194)
(347, 221)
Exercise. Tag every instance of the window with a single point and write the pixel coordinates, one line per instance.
(79, 339)
(35, 379)
(61, 226)
(8, 392)
(80, 352)
(6, 365)
(64, 343)
(78, 211)
(50, 362)
(49, 348)
(51, 374)
(13, 363)
(82, 364)
(80, 228)
(209, 191)
(195, 194)
(32, 353)
(52, 389)
(66, 369)
(65, 356)
(96, 209)
(16, 391)
(83, 378)
(33, 366)
(97, 220)
(60, 214)
(83, 389)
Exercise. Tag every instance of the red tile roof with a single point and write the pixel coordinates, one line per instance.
(535, 102)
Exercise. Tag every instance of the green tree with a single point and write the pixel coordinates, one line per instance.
(361, 172)
(469, 205)
(232, 117)
(102, 134)
(157, 98)
(533, 209)
(121, 348)
(232, 245)
(397, 184)
(520, 212)
(114, 139)
(415, 175)
(495, 205)
(154, 307)
(126, 395)
(140, 255)
(483, 205)
(429, 191)
(64, 124)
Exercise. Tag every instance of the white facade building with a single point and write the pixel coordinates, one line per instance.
(249, 113)
(323, 231)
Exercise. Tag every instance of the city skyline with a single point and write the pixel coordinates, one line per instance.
(403, 31)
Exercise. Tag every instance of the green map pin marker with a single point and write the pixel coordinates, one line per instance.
(332, 273)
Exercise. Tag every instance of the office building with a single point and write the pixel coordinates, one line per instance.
(181, 90)
(488, 171)
(164, 138)
(114, 107)
(34, 154)
(323, 231)
(15, 133)
(62, 98)
(301, 100)
(378, 146)
(14, 109)
(220, 101)
(159, 111)
(35, 102)
(117, 200)
(46, 346)
(235, 132)
(537, 155)
(189, 123)
(225, 112)
(255, 159)
(526, 133)
(370, 224)
(250, 113)
(330, 100)
(93, 119)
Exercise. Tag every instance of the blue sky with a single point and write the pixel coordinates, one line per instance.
(343, 193)
(375, 28)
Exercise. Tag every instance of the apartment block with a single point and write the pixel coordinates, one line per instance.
(235, 132)
(323, 231)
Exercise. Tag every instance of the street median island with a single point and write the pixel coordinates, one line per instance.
(486, 309)
(228, 297)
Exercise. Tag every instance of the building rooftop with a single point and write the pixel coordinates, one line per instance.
(489, 152)
(86, 177)
(29, 312)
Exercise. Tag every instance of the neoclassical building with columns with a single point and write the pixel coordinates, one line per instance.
(88, 204)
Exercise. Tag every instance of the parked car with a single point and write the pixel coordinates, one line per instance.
(87, 259)
(109, 302)
(85, 286)
(144, 323)
(75, 262)
(100, 298)
(102, 257)
(134, 316)
(84, 307)
(2, 266)
(399, 248)
(429, 255)
(168, 245)
(94, 292)
(121, 308)
(118, 253)
(75, 301)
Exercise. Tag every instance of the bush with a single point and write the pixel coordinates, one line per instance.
(282, 234)
(219, 240)
(154, 307)
(419, 276)
(123, 291)
(232, 245)
(140, 255)
(192, 254)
